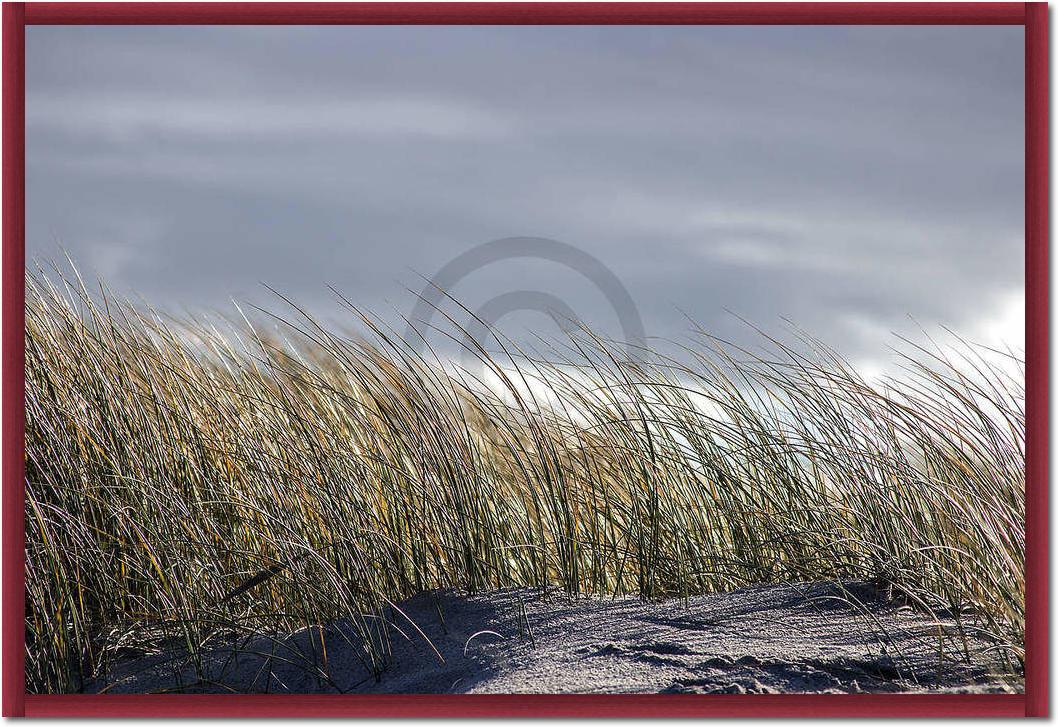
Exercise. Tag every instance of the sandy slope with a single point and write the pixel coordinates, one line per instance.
(792, 638)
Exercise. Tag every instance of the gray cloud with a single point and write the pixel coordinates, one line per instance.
(843, 177)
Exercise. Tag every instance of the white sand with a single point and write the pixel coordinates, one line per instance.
(792, 638)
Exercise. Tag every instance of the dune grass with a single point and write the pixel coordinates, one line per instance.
(193, 482)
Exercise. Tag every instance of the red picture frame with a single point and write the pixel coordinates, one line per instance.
(1033, 703)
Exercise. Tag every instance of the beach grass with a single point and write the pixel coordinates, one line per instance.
(191, 480)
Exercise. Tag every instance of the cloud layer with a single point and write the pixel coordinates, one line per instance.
(845, 178)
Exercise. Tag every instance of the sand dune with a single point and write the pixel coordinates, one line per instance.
(791, 638)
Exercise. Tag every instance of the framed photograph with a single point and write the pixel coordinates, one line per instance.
(525, 359)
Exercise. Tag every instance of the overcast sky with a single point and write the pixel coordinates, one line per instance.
(846, 178)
